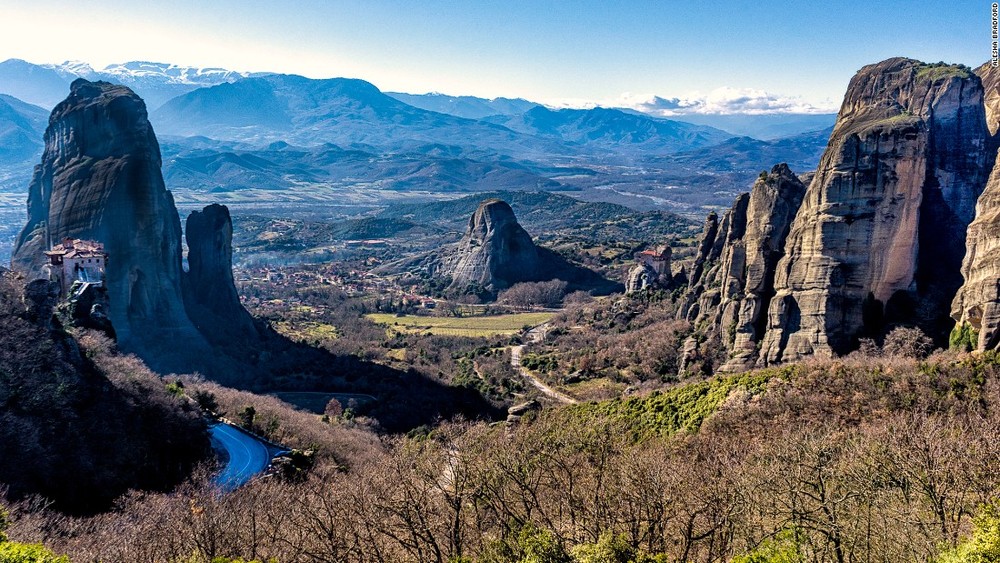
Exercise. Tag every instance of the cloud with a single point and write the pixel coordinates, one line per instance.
(725, 100)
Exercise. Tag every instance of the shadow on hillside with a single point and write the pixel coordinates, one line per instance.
(271, 362)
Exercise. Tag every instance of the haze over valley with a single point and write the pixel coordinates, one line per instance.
(701, 283)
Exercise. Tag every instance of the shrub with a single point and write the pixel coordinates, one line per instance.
(11, 552)
(908, 342)
(964, 338)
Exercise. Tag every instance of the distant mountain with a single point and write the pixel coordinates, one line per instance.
(21, 128)
(47, 84)
(217, 166)
(613, 130)
(32, 83)
(766, 126)
(469, 107)
(347, 112)
(744, 154)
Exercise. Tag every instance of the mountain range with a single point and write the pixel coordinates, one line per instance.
(229, 131)
(47, 84)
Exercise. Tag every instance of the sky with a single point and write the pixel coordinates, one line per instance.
(672, 56)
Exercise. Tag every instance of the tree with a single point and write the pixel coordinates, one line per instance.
(984, 544)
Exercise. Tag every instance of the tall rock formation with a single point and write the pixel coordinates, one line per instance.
(495, 253)
(749, 263)
(100, 179)
(990, 75)
(976, 308)
(881, 233)
(210, 293)
(739, 258)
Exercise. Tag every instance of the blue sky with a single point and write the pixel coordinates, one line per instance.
(575, 52)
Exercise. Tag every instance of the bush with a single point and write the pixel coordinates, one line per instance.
(964, 338)
(908, 342)
(28, 553)
(530, 545)
(609, 549)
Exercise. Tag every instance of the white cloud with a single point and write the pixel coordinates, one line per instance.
(725, 100)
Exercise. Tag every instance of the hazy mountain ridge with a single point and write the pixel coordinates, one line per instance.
(47, 84)
(347, 112)
(470, 107)
(613, 130)
(230, 167)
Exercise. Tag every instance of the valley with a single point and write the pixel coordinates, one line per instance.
(262, 317)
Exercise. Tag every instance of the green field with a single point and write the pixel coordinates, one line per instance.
(461, 326)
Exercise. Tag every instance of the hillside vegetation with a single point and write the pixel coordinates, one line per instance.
(81, 423)
(863, 459)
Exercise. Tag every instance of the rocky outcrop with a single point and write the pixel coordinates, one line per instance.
(100, 180)
(976, 308)
(729, 303)
(652, 270)
(701, 302)
(881, 233)
(640, 277)
(750, 263)
(210, 293)
(990, 75)
(495, 253)
(977, 304)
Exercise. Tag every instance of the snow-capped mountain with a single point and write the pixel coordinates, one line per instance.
(137, 71)
(47, 84)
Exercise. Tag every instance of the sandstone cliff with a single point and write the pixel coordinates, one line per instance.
(739, 257)
(990, 75)
(880, 236)
(209, 290)
(749, 264)
(495, 253)
(976, 308)
(100, 179)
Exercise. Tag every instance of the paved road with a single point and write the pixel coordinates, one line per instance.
(537, 334)
(248, 457)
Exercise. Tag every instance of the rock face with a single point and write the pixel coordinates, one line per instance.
(739, 259)
(749, 263)
(880, 236)
(977, 304)
(209, 290)
(640, 277)
(495, 253)
(100, 179)
(651, 271)
(990, 75)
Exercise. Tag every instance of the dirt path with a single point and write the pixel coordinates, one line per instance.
(537, 334)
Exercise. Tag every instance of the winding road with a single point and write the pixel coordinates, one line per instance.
(537, 334)
(248, 456)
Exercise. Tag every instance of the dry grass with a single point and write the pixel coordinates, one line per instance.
(308, 331)
(461, 326)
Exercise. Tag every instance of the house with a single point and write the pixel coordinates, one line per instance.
(76, 260)
(658, 259)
